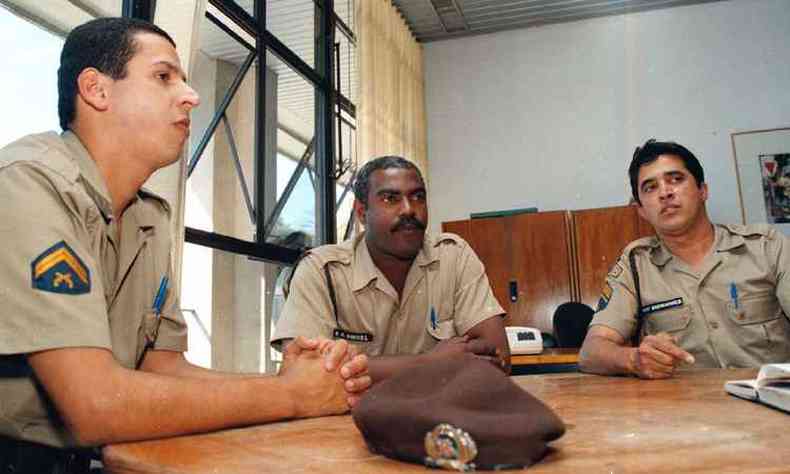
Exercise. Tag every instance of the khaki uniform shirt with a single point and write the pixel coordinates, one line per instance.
(446, 294)
(733, 312)
(67, 279)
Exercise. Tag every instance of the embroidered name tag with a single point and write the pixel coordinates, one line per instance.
(352, 336)
(652, 308)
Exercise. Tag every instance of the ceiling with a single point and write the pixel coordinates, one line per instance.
(432, 20)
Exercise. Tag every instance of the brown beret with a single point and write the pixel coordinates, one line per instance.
(509, 428)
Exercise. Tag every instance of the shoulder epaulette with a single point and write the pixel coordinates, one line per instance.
(749, 230)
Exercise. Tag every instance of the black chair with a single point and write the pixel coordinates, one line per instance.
(570, 323)
(548, 340)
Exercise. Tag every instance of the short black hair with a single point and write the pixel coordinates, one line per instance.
(651, 150)
(106, 44)
(362, 183)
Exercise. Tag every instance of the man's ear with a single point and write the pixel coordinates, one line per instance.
(703, 192)
(93, 88)
(640, 210)
(359, 211)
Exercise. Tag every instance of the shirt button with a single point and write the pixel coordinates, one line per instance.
(714, 325)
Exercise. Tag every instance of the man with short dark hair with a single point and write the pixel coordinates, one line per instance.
(91, 335)
(699, 294)
(403, 297)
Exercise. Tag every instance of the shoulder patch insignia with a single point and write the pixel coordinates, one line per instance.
(606, 295)
(616, 270)
(59, 270)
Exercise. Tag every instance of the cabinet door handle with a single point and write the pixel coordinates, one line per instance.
(513, 291)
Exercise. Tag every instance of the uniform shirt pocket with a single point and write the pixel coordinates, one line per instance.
(755, 309)
(760, 324)
(440, 330)
(442, 325)
(674, 320)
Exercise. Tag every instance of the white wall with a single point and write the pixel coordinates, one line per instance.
(550, 116)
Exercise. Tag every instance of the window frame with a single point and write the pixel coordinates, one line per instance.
(329, 102)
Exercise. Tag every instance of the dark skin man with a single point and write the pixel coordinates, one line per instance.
(395, 217)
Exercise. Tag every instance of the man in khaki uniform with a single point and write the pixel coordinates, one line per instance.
(403, 297)
(711, 295)
(87, 275)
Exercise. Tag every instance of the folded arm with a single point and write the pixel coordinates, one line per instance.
(486, 339)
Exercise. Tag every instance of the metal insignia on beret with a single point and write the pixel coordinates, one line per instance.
(450, 448)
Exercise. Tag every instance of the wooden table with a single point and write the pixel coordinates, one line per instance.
(548, 356)
(551, 360)
(614, 425)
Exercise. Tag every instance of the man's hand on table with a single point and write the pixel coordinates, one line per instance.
(658, 356)
(318, 368)
(458, 345)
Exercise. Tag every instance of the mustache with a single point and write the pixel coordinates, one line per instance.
(406, 222)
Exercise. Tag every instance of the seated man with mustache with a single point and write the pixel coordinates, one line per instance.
(698, 293)
(403, 297)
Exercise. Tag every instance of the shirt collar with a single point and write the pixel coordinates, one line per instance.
(726, 240)
(365, 271)
(95, 185)
(723, 241)
(659, 253)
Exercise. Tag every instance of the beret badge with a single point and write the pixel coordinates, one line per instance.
(450, 448)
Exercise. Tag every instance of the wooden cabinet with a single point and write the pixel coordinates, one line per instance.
(537, 261)
(599, 237)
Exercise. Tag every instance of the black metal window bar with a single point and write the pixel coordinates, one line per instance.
(324, 146)
(142, 9)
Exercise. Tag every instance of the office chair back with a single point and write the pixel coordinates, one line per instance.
(570, 323)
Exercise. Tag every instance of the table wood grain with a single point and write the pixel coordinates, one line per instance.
(614, 425)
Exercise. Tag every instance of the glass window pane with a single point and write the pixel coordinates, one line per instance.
(292, 221)
(220, 190)
(345, 59)
(344, 9)
(228, 303)
(295, 226)
(346, 153)
(102, 7)
(29, 83)
(292, 22)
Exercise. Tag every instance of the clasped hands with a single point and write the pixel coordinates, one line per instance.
(326, 377)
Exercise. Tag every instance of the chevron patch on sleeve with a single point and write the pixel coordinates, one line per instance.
(59, 270)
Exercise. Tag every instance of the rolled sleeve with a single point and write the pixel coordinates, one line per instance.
(474, 300)
(308, 309)
(34, 217)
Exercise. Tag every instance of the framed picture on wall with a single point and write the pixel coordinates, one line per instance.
(762, 167)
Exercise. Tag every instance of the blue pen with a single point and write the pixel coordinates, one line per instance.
(159, 299)
(734, 295)
(433, 318)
